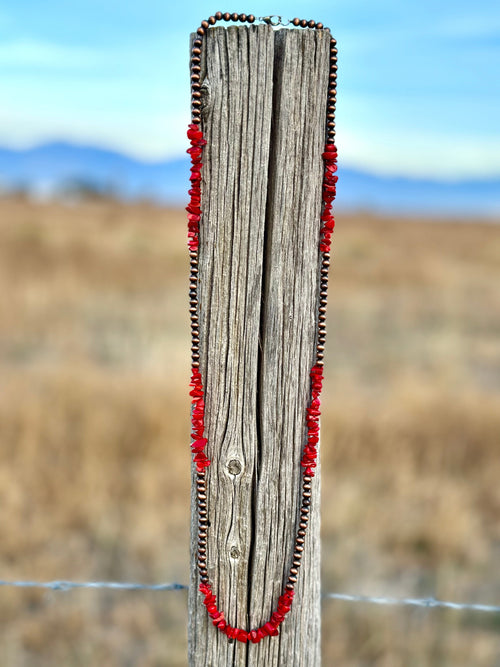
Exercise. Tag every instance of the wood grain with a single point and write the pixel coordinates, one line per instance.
(264, 110)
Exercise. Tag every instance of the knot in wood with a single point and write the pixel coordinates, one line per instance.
(235, 552)
(234, 467)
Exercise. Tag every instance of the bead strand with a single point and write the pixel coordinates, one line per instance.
(199, 442)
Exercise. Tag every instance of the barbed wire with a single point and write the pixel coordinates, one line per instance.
(428, 603)
(113, 585)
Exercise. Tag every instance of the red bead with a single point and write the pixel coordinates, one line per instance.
(217, 619)
(241, 635)
(195, 134)
(254, 637)
(277, 619)
(270, 629)
(198, 446)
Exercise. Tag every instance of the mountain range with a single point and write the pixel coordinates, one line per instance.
(60, 168)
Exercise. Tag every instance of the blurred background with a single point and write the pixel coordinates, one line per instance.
(94, 346)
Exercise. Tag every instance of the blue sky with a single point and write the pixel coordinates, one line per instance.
(419, 91)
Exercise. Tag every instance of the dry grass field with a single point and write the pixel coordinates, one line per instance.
(94, 367)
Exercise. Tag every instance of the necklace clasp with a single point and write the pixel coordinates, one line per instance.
(274, 20)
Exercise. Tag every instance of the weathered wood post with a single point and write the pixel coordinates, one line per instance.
(264, 95)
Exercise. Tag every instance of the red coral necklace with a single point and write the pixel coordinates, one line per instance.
(309, 455)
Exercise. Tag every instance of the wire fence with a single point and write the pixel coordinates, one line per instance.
(428, 603)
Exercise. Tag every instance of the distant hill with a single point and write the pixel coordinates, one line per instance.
(59, 167)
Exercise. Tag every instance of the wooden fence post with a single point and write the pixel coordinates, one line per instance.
(264, 109)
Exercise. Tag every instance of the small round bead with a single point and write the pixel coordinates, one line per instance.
(294, 571)
(251, 18)
(198, 41)
(226, 16)
(312, 24)
(300, 540)
(234, 17)
(303, 23)
(218, 16)
(303, 526)
(243, 17)
(212, 20)
(292, 579)
(196, 51)
(201, 31)
(301, 532)
(204, 24)
(319, 26)
(296, 21)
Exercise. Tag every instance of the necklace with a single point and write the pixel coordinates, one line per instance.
(199, 442)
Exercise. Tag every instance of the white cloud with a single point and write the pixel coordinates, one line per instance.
(431, 157)
(152, 136)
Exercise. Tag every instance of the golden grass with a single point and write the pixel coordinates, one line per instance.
(94, 361)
